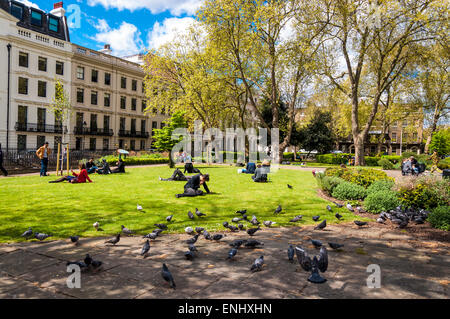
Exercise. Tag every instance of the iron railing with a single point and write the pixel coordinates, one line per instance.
(39, 128)
(93, 131)
(136, 134)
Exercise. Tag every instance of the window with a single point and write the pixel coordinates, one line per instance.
(134, 85)
(16, 11)
(93, 122)
(80, 95)
(405, 123)
(107, 78)
(144, 105)
(143, 87)
(405, 137)
(53, 24)
(143, 126)
(23, 86)
(42, 119)
(120, 143)
(415, 136)
(23, 59)
(92, 144)
(122, 124)
(105, 144)
(79, 143)
(94, 96)
(142, 145)
(94, 76)
(163, 124)
(22, 142)
(59, 68)
(107, 99)
(56, 140)
(123, 83)
(40, 140)
(22, 116)
(42, 64)
(133, 104)
(42, 89)
(395, 124)
(80, 120)
(394, 137)
(154, 126)
(132, 145)
(106, 123)
(123, 102)
(133, 126)
(80, 73)
(36, 18)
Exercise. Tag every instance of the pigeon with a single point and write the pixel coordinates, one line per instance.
(198, 213)
(359, 209)
(290, 186)
(206, 235)
(335, 245)
(80, 264)
(278, 210)
(253, 243)
(349, 207)
(322, 225)
(244, 217)
(419, 220)
(233, 228)
(338, 205)
(242, 212)
(323, 259)
(254, 221)
(359, 223)
(257, 265)
(238, 243)
(96, 225)
(192, 240)
(315, 276)
(157, 231)
(225, 224)
(380, 220)
(232, 253)
(403, 224)
(167, 276)
(145, 249)
(126, 231)
(217, 237)
(189, 230)
(241, 226)
(338, 216)
(316, 218)
(139, 208)
(252, 231)
(40, 236)
(28, 233)
(191, 216)
(268, 223)
(199, 230)
(290, 253)
(316, 243)
(329, 208)
(303, 259)
(236, 220)
(161, 226)
(113, 241)
(189, 255)
(151, 236)
(296, 219)
(192, 247)
(169, 218)
(74, 239)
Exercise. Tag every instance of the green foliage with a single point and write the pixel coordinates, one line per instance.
(349, 191)
(134, 161)
(360, 176)
(425, 193)
(338, 159)
(440, 217)
(441, 142)
(380, 186)
(371, 160)
(444, 164)
(381, 200)
(328, 183)
(386, 164)
(317, 135)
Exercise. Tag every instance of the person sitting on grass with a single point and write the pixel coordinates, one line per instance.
(91, 167)
(260, 175)
(249, 169)
(177, 176)
(191, 189)
(76, 178)
(105, 169)
(120, 167)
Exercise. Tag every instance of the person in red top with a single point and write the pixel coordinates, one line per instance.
(81, 177)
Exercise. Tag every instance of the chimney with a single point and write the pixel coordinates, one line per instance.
(58, 10)
(106, 49)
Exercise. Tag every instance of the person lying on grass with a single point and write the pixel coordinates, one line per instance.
(76, 178)
(120, 167)
(176, 176)
(191, 189)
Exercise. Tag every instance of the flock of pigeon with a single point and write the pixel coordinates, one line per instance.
(402, 216)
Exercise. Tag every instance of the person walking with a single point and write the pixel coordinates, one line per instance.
(44, 153)
(1, 162)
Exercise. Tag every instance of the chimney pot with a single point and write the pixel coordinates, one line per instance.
(58, 5)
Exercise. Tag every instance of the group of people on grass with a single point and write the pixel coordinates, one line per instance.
(260, 172)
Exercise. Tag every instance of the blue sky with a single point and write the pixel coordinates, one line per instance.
(129, 26)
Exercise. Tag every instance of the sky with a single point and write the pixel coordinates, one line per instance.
(129, 26)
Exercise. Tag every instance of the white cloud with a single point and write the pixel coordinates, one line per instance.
(168, 30)
(29, 3)
(175, 7)
(125, 40)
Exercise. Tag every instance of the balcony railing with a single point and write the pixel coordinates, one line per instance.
(40, 128)
(93, 131)
(136, 134)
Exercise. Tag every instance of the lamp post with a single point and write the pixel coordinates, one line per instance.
(8, 46)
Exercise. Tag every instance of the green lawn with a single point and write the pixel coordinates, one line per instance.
(64, 209)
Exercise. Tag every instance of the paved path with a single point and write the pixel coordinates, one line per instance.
(38, 270)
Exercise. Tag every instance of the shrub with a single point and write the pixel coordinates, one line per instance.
(361, 176)
(381, 200)
(380, 185)
(137, 160)
(386, 164)
(349, 191)
(440, 217)
(425, 192)
(328, 183)
(371, 160)
(394, 159)
(338, 159)
(289, 156)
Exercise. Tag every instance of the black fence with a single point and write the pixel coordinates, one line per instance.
(24, 161)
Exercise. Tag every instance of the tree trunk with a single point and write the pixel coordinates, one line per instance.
(359, 150)
(432, 129)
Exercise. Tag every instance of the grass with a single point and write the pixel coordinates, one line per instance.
(63, 209)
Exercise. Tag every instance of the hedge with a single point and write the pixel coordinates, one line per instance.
(343, 158)
(135, 161)
(360, 176)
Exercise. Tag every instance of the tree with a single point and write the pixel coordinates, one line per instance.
(441, 142)
(375, 42)
(61, 106)
(163, 137)
(317, 135)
